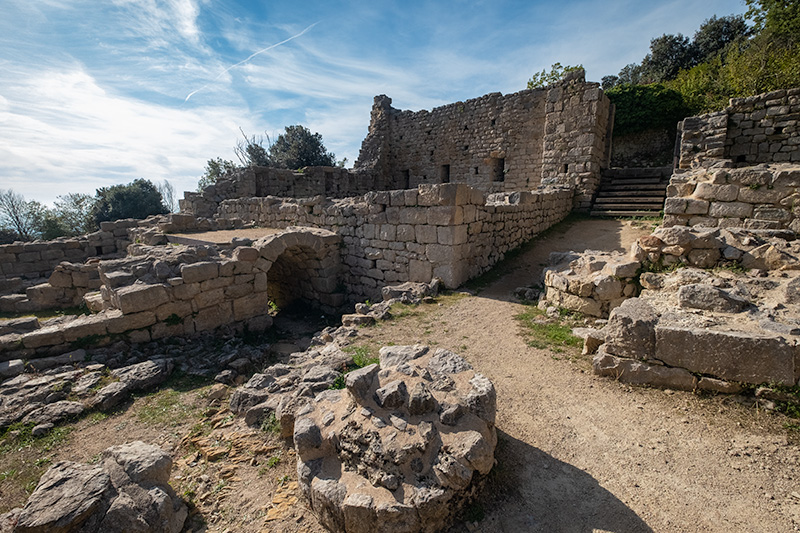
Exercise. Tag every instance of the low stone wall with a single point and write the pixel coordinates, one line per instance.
(757, 129)
(32, 260)
(248, 182)
(449, 231)
(144, 300)
(758, 197)
(591, 283)
(690, 327)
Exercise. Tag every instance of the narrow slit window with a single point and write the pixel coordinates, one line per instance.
(444, 174)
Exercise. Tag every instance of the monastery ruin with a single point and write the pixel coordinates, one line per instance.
(437, 198)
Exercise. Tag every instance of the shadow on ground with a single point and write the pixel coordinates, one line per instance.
(531, 491)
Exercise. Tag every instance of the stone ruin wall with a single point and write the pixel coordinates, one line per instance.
(496, 143)
(155, 294)
(248, 182)
(32, 260)
(449, 231)
(739, 167)
(757, 129)
(644, 149)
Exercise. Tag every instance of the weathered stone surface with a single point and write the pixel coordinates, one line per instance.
(68, 498)
(737, 356)
(198, 272)
(111, 395)
(357, 320)
(703, 296)
(360, 381)
(145, 375)
(640, 373)
(630, 331)
(129, 492)
(54, 412)
(138, 297)
(398, 468)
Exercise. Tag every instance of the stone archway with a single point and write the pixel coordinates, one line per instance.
(303, 264)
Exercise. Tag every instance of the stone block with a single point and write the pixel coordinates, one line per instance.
(730, 210)
(721, 193)
(186, 291)
(213, 317)
(86, 326)
(738, 356)
(116, 322)
(196, 272)
(179, 308)
(630, 331)
(420, 271)
(209, 298)
(245, 253)
(639, 373)
(138, 297)
(249, 306)
(49, 336)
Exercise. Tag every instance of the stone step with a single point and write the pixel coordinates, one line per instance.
(640, 187)
(636, 181)
(631, 200)
(623, 213)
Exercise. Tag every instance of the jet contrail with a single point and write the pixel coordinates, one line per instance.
(251, 56)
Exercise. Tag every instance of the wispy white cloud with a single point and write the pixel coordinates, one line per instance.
(251, 56)
(71, 135)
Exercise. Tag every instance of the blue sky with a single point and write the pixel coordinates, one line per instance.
(99, 92)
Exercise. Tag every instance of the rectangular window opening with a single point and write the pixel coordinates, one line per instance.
(444, 174)
(498, 169)
(406, 179)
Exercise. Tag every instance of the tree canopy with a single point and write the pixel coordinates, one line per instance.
(544, 78)
(138, 199)
(297, 147)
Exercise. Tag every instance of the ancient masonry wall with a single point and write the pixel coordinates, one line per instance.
(495, 143)
(449, 231)
(758, 197)
(644, 149)
(147, 298)
(32, 260)
(757, 129)
(265, 181)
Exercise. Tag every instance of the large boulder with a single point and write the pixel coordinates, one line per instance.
(128, 492)
(402, 448)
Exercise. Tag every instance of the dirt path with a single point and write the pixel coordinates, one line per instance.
(582, 453)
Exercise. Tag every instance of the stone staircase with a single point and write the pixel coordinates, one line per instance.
(631, 192)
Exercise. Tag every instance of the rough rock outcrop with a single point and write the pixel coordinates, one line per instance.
(127, 491)
(402, 448)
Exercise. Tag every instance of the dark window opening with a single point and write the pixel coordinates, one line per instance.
(476, 170)
(98, 250)
(466, 147)
(431, 153)
(566, 168)
(741, 158)
(779, 129)
(406, 179)
(401, 137)
(444, 174)
(466, 127)
(498, 169)
(494, 122)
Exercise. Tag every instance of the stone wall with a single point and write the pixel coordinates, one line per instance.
(555, 135)
(450, 231)
(752, 130)
(644, 149)
(183, 291)
(32, 260)
(248, 182)
(757, 197)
